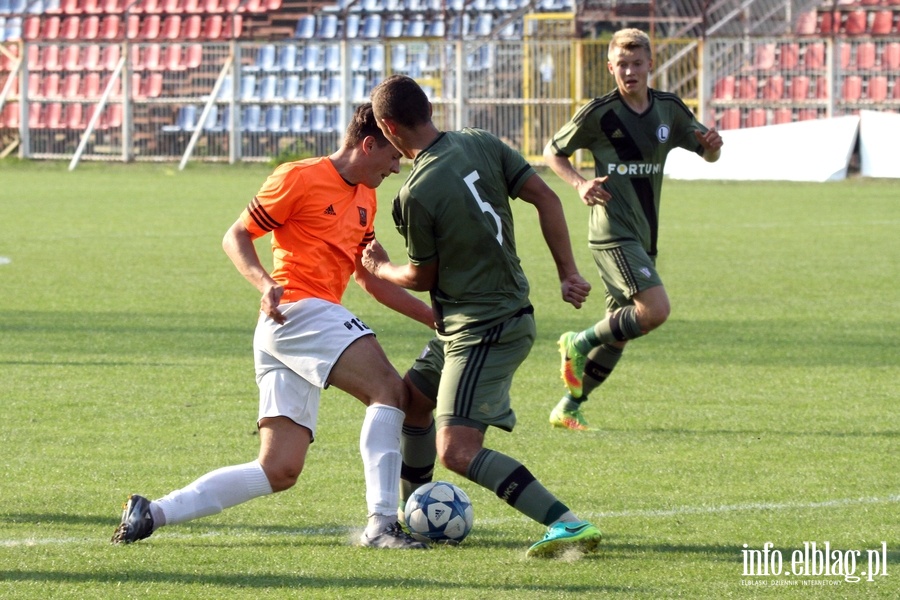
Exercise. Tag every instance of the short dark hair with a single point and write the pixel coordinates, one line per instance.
(400, 98)
(363, 124)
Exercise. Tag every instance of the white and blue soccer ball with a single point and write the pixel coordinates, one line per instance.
(439, 512)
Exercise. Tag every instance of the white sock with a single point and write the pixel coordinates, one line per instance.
(379, 445)
(212, 493)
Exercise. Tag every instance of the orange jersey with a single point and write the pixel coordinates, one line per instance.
(319, 225)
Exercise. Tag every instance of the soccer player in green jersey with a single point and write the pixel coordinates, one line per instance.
(629, 132)
(455, 217)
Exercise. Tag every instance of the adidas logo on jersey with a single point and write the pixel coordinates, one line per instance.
(329, 210)
(617, 134)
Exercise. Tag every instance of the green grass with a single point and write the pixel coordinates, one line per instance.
(765, 410)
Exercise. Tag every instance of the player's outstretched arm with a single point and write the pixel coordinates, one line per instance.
(393, 296)
(591, 191)
(535, 191)
(712, 144)
(421, 278)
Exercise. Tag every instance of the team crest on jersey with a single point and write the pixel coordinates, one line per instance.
(662, 133)
(363, 216)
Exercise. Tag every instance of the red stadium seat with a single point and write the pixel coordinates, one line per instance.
(110, 56)
(895, 94)
(31, 28)
(213, 6)
(877, 89)
(90, 27)
(110, 27)
(773, 89)
(764, 56)
(72, 86)
(865, 55)
(70, 28)
(36, 116)
(50, 87)
(171, 27)
(70, 7)
(33, 59)
(233, 26)
(807, 114)
(212, 27)
(890, 56)
(193, 27)
(854, 22)
(91, 7)
(154, 85)
(151, 7)
(806, 23)
(821, 91)
(172, 60)
(50, 58)
(172, 7)
(113, 116)
(883, 22)
(724, 88)
(788, 55)
(50, 27)
(11, 115)
(193, 56)
(92, 85)
(115, 7)
(151, 58)
(756, 117)
(55, 117)
(814, 56)
(845, 55)
(71, 57)
(731, 119)
(747, 87)
(192, 6)
(800, 87)
(150, 27)
(851, 90)
(75, 117)
(35, 86)
(827, 23)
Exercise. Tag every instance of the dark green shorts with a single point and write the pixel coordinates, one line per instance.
(470, 376)
(626, 270)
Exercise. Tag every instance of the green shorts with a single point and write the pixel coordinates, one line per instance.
(626, 270)
(470, 375)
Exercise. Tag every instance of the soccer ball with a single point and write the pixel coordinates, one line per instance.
(439, 512)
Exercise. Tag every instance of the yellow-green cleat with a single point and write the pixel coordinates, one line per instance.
(561, 537)
(572, 367)
(568, 419)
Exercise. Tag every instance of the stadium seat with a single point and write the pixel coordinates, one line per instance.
(36, 116)
(807, 114)
(877, 88)
(90, 27)
(70, 28)
(747, 87)
(115, 7)
(814, 55)
(436, 28)
(52, 7)
(890, 56)
(185, 119)
(773, 89)
(855, 22)
(192, 27)
(484, 25)
(71, 87)
(806, 23)
(312, 87)
(274, 119)
(291, 87)
(334, 88)
(92, 85)
(50, 27)
(31, 28)
(287, 58)
(394, 27)
(149, 58)
(51, 86)
(251, 116)
(895, 93)
(265, 59)
(193, 56)
(306, 27)
(149, 7)
(883, 23)
(351, 26)
(110, 55)
(297, 122)
(851, 89)
(248, 87)
(173, 58)
(70, 7)
(232, 27)
(865, 55)
(415, 27)
(55, 116)
(268, 88)
(827, 23)
(110, 27)
(764, 56)
(756, 117)
(171, 27)
(213, 27)
(75, 117)
(91, 7)
(375, 59)
(781, 115)
(312, 59)
(371, 28)
(332, 58)
(71, 57)
(800, 87)
(358, 91)
(821, 88)
(731, 119)
(788, 55)
(318, 120)
(328, 27)
(50, 59)
(150, 27)
(154, 85)
(845, 51)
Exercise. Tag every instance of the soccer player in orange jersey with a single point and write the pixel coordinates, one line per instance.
(321, 214)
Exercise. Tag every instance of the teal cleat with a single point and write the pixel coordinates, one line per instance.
(579, 535)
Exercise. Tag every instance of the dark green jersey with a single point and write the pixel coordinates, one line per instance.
(631, 149)
(454, 209)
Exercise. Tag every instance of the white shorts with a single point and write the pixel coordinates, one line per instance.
(293, 360)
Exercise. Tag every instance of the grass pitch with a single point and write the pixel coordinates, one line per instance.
(764, 411)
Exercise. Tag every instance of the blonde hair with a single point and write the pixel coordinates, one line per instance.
(630, 39)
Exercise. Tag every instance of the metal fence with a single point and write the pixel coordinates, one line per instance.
(254, 101)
